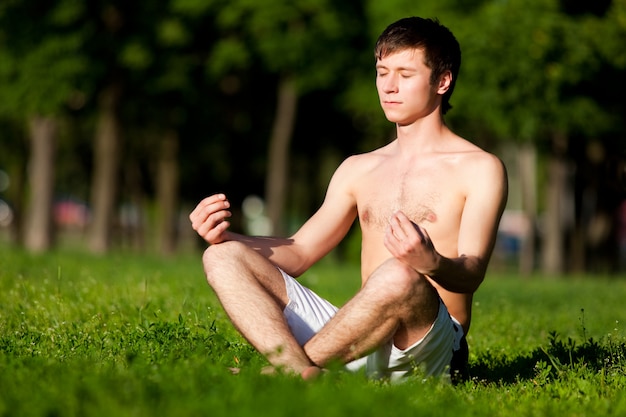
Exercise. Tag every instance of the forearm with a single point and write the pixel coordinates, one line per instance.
(461, 275)
(280, 251)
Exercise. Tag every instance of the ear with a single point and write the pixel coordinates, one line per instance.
(444, 82)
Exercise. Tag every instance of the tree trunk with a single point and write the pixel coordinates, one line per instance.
(106, 166)
(132, 215)
(39, 220)
(17, 196)
(556, 210)
(528, 183)
(167, 193)
(276, 182)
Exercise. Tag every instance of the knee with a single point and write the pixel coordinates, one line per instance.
(398, 282)
(220, 257)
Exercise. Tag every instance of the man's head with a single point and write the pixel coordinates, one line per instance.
(441, 50)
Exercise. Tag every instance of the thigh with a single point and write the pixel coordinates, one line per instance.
(235, 261)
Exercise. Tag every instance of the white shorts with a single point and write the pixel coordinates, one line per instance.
(307, 313)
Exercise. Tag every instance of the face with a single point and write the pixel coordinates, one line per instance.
(404, 88)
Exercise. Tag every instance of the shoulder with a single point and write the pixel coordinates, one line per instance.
(358, 164)
(476, 159)
(356, 171)
(473, 166)
(484, 174)
(484, 162)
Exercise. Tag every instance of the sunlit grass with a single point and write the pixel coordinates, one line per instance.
(128, 335)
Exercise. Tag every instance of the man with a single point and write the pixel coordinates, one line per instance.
(428, 203)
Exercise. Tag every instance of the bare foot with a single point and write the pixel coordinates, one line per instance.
(273, 370)
(312, 372)
(268, 370)
(308, 373)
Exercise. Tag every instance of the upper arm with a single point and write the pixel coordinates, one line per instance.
(330, 223)
(485, 201)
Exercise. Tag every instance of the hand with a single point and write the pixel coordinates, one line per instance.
(411, 244)
(209, 218)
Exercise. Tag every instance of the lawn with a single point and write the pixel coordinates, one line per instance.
(130, 335)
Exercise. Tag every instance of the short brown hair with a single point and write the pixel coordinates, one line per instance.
(441, 49)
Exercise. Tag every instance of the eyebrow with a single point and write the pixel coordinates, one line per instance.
(412, 69)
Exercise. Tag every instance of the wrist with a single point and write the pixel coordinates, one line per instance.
(435, 265)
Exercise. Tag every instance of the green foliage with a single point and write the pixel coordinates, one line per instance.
(126, 336)
(528, 70)
(172, 32)
(136, 56)
(202, 68)
(40, 68)
(308, 40)
(228, 55)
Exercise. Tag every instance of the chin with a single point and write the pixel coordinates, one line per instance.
(399, 121)
(393, 118)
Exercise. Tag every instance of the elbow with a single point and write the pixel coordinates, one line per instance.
(296, 266)
(476, 269)
(475, 283)
(294, 272)
(300, 268)
(302, 258)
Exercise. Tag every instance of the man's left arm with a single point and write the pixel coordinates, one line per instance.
(478, 229)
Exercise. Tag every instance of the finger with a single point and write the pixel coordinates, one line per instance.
(423, 235)
(391, 242)
(399, 225)
(411, 229)
(395, 239)
(213, 199)
(215, 235)
(207, 207)
(208, 220)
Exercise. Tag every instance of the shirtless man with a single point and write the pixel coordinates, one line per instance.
(428, 203)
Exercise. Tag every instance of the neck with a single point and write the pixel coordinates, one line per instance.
(424, 134)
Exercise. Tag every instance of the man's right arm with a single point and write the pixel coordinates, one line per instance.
(210, 220)
(318, 236)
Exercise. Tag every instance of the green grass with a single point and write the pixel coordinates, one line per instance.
(125, 335)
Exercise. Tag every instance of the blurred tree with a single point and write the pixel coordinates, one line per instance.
(303, 44)
(110, 29)
(144, 59)
(599, 190)
(525, 69)
(161, 62)
(13, 154)
(190, 80)
(39, 73)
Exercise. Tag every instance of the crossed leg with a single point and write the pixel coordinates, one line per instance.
(394, 303)
(253, 294)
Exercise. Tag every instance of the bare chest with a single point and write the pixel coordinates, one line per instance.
(427, 195)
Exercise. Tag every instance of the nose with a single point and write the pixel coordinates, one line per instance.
(390, 83)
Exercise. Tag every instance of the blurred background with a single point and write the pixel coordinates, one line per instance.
(117, 117)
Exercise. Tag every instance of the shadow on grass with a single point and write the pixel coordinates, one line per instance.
(545, 362)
